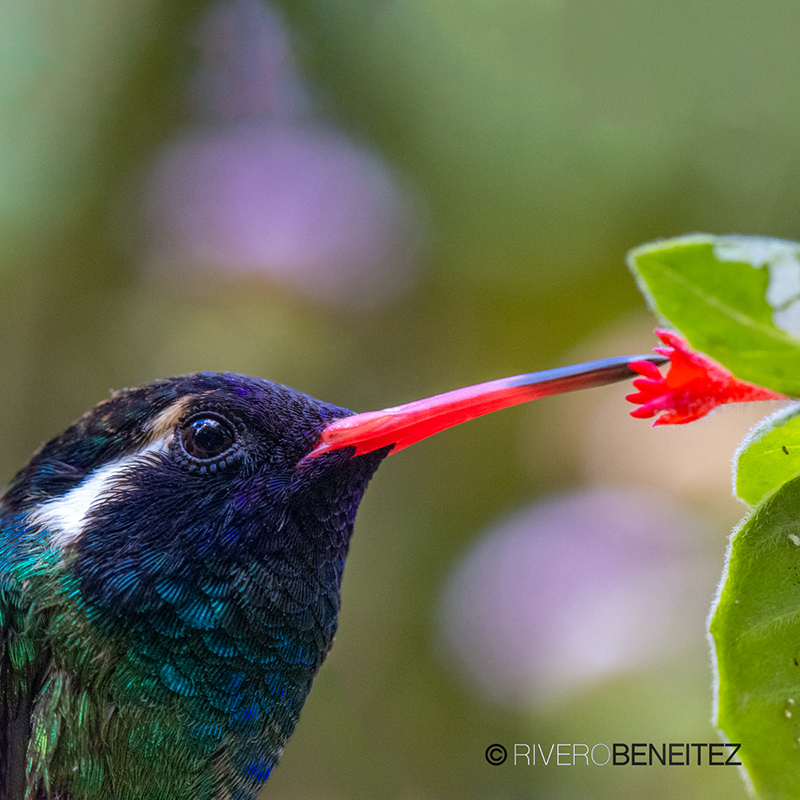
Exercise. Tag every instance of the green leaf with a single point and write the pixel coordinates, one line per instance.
(769, 456)
(736, 298)
(756, 632)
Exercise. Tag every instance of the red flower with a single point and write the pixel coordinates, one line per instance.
(693, 386)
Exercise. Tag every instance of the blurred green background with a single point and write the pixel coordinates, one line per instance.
(378, 201)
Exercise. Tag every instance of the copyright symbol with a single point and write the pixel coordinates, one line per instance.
(496, 754)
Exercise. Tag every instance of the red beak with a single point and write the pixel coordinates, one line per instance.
(404, 425)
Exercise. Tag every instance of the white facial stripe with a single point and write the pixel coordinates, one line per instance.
(65, 516)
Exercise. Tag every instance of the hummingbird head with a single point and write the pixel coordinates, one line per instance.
(221, 468)
(196, 469)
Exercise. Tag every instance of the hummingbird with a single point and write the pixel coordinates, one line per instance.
(170, 575)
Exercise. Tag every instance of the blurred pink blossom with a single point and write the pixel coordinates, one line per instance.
(573, 590)
(263, 190)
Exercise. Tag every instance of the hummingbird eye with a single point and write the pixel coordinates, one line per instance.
(207, 441)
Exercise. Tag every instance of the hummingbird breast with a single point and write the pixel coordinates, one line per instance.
(195, 696)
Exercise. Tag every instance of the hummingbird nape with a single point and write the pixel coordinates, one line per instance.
(170, 572)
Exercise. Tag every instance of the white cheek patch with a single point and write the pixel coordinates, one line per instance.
(65, 516)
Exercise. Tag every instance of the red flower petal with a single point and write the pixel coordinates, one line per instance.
(693, 386)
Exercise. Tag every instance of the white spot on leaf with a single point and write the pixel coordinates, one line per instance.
(782, 260)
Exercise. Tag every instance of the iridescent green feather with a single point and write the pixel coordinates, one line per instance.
(23, 656)
(50, 713)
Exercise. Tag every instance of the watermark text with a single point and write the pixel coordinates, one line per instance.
(617, 754)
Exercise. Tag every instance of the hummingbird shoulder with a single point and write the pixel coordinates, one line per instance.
(170, 573)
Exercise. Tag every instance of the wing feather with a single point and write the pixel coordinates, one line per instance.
(22, 664)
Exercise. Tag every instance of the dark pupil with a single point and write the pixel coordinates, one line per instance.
(206, 438)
